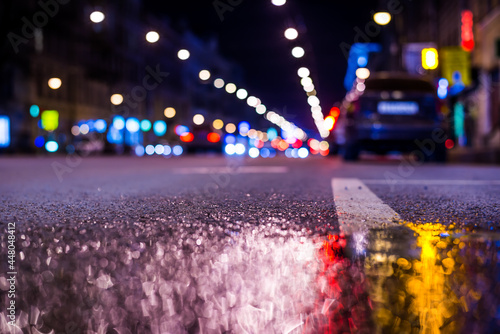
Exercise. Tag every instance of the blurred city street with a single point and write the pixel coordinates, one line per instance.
(230, 166)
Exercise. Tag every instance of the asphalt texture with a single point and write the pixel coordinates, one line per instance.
(228, 245)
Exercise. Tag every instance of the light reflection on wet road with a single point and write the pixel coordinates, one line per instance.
(139, 252)
(268, 279)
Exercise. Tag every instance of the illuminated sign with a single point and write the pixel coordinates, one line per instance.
(429, 59)
(455, 66)
(50, 120)
(467, 33)
(4, 131)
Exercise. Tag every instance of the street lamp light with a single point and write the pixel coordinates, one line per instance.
(291, 34)
(97, 16)
(116, 99)
(204, 75)
(303, 72)
(382, 18)
(55, 83)
(230, 88)
(242, 94)
(298, 52)
(198, 119)
(169, 112)
(183, 54)
(362, 73)
(152, 37)
(278, 2)
(219, 83)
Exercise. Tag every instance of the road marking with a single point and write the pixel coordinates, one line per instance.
(434, 182)
(358, 208)
(231, 170)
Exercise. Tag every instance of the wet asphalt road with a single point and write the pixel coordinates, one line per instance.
(214, 245)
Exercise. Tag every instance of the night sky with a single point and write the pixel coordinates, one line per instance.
(251, 35)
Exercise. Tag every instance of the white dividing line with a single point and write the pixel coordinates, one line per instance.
(358, 208)
(230, 170)
(435, 182)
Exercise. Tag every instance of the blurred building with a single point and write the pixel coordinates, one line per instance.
(466, 34)
(95, 60)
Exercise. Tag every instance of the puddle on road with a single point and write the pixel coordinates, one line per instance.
(274, 278)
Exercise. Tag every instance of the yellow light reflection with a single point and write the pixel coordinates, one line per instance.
(416, 295)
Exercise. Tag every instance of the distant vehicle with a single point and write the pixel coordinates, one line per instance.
(202, 139)
(393, 113)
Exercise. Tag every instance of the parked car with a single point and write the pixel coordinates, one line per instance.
(394, 112)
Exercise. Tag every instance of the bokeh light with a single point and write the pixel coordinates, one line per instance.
(152, 37)
(239, 149)
(118, 123)
(187, 137)
(218, 83)
(303, 153)
(243, 127)
(132, 124)
(84, 129)
(278, 2)
(298, 52)
(97, 16)
(150, 150)
(362, 73)
(181, 129)
(229, 149)
(218, 124)
(177, 150)
(261, 109)
(382, 18)
(50, 120)
(167, 150)
(204, 75)
(303, 72)
(159, 149)
(55, 83)
(169, 112)
(291, 34)
(51, 146)
(139, 150)
(306, 81)
(241, 94)
(160, 128)
(230, 88)
(116, 99)
(34, 110)
(145, 125)
(100, 125)
(213, 137)
(254, 152)
(183, 54)
(252, 101)
(230, 128)
(75, 130)
(39, 141)
(198, 119)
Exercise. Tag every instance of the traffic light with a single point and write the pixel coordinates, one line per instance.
(429, 59)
